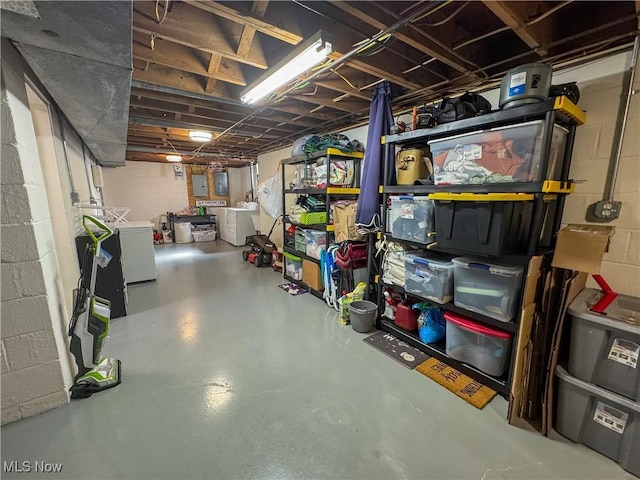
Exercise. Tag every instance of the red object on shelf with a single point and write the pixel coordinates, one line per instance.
(472, 326)
(608, 295)
(406, 318)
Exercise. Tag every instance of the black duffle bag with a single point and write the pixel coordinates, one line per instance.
(451, 109)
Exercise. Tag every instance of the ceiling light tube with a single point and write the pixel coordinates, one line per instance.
(174, 158)
(200, 136)
(306, 55)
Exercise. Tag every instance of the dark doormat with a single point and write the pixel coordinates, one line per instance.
(400, 351)
(293, 289)
(466, 388)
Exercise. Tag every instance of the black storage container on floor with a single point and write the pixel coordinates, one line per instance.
(486, 224)
(110, 282)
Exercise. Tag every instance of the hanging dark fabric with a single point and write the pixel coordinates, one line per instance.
(380, 122)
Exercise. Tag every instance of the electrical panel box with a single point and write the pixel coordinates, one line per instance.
(200, 188)
(96, 173)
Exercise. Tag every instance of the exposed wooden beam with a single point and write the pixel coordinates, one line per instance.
(248, 32)
(377, 72)
(250, 20)
(178, 56)
(188, 26)
(138, 141)
(339, 85)
(511, 14)
(143, 139)
(139, 118)
(214, 66)
(227, 110)
(186, 112)
(284, 14)
(350, 106)
(161, 158)
(170, 77)
(186, 94)
(300, 109)
(408, 36)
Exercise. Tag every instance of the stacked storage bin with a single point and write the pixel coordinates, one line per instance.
(485, 348)
(428, 277)
(293, 266)
(599, 396)
(487, 288)
(492, 290)
(497, 155)
(411, 218)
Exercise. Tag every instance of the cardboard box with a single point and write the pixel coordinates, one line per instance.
(581, 247)
(311, 274)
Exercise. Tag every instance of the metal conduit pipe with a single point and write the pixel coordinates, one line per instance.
(75, 196)
(610, 187)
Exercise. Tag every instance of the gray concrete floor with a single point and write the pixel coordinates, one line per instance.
(226, 376)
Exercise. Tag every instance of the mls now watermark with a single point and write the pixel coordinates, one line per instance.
(30, 467)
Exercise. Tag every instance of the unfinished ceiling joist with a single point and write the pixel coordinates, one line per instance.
(191, 66)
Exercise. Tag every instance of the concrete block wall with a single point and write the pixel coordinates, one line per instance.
(35, 370)
(149, 189)
(592, 151)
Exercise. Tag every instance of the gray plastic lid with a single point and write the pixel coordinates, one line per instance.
(562, 374)
(618, 314)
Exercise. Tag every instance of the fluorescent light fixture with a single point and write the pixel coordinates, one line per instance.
(174, 158)
(200, 136)
(306, 55)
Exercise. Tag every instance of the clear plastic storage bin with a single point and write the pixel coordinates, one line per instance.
(412, 219)
(486, 288)
(504, 154)
(485, 348)
(293, 266)
(604, 348)
(428, 277)
(599, 419)
(316, 242)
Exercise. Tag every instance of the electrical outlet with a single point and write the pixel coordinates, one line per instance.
(608, 209)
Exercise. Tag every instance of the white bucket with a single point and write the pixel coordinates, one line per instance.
(183, 233)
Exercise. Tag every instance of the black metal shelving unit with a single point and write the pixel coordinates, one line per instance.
(450, 306)
(331, 191)
(437, 350)
(553, 111)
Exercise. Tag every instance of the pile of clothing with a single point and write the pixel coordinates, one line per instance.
(495, 160)
(393, 270)
(310, 144)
